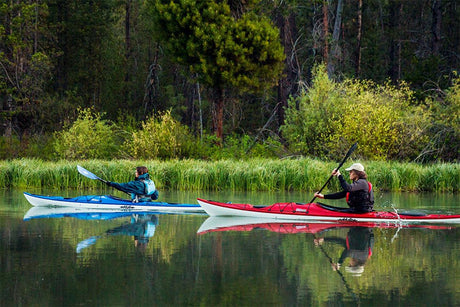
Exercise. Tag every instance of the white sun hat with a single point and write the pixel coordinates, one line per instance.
(356, 166)
(355, 270)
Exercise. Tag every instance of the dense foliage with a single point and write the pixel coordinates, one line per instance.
(225, 52)
(214, 65)
(163, 138)
(328, 116)
(89, 137)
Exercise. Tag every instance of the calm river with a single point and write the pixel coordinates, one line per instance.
(182, 260)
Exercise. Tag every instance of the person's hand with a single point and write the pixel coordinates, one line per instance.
(335, 266)
(318, 241)
(336, 172)
(319, 195)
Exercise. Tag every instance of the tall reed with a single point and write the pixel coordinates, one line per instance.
(248, 175)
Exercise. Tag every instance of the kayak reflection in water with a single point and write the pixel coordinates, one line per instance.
(359, 194)
(141, 227)
(357, 246)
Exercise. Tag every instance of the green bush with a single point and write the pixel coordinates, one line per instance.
(160, 137)
(328, 116)
(444, 132)
(31, 146)
(382, 119)
(89, 137)
(311, 118)
(9, 147)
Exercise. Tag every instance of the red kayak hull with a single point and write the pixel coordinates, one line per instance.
(241, 224)
(315, 211)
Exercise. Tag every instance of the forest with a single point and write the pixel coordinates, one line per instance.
(212, 79)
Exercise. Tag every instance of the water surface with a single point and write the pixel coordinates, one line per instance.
(162, 260)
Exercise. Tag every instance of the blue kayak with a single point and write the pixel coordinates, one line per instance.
(90, 213)
(108, 202)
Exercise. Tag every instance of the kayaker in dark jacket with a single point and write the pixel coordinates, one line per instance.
(357, 247)
(142, 188)
(359, 194)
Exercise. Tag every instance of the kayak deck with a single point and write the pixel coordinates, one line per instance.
(315, 211)
(107, 202)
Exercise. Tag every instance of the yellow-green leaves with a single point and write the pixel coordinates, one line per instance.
(328, 116)
(160, 137)
(89, 137)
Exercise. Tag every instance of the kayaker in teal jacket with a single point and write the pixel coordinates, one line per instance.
(359, 194)
(142, 188)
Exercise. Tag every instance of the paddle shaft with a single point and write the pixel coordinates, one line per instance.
(350, 151)
(90, 175)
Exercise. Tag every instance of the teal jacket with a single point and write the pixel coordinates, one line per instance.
(141, 188)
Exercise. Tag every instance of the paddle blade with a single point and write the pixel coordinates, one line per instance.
(350, 151)
(87, 173)
(85, 243)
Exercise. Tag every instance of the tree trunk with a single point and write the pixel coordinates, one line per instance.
(360, 31)
(436, 26)
(325, 30)
(219, 114)
(36, 29)
(395, 44)
(335, 48)
(287, 84)
(127, 49)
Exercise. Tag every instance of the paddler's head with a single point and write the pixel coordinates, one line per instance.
(141, 170)
(355, 270)
(356, 171)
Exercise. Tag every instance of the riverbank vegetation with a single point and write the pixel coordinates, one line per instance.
(300, 174)
(163, 80)
(321, 122)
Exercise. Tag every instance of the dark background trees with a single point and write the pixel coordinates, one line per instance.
(110, 55)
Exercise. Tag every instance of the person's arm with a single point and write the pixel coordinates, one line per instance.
(337, 195)
(129, 187)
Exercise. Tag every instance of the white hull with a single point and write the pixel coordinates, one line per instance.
(216, 210)
(102, 202)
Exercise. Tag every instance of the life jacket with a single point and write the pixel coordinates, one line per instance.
(362, 201)
(150, 191)
(369, 248)
(360, 242)
(149, 187)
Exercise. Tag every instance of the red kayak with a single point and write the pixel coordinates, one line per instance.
(317, 211)
(236, 223)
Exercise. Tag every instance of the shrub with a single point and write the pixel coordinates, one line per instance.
(444, 130)
(89, 137)
(381, 118)
(160, 137)
(327, 117)
(311, 118)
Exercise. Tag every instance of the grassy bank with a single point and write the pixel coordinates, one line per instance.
(251, 175)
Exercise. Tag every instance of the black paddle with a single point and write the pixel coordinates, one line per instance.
(350, 151)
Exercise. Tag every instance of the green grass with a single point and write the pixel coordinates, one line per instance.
(249, 175)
